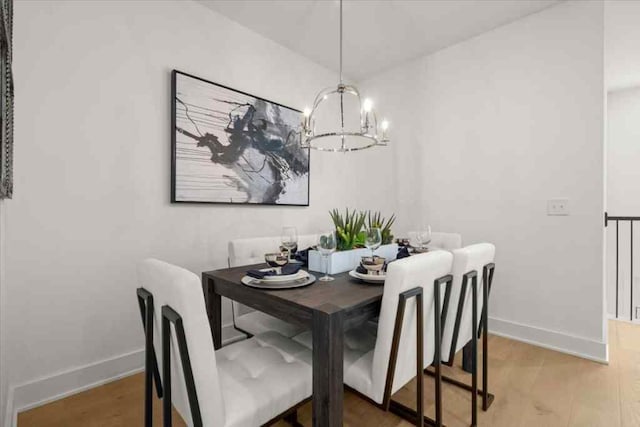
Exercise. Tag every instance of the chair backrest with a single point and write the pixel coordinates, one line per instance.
(446, 241)
(182, 291)
(415, 271)
(252, 250)
(465, 260)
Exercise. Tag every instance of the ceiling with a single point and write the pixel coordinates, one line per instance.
(378, 34)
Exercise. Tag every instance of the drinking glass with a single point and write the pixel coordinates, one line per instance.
(327, 245)
(289, 239)
(373, 239)
(415, 239)
(425, 236)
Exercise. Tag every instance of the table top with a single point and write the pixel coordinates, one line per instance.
(343, 293)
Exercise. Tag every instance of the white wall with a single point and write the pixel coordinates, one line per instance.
(622, 44)
(623, 192)
(92, 175)
(491, 129)
(4, 384)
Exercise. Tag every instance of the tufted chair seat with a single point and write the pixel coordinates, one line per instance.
(262, 373)
(247, 383)
(251, 251)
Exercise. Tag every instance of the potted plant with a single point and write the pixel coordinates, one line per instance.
(350, 235)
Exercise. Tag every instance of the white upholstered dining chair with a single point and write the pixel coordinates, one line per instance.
(248, 383)
(251, 251)
(472, 271)
(380, 359)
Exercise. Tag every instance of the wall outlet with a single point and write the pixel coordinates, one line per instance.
(558, 207)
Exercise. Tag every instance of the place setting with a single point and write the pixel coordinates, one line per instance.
(372, 269)
(281, 274)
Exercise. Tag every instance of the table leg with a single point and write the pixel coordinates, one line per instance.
(213, 303)
(328, 388)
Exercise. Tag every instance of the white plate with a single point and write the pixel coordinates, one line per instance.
(369, 278)
(284, 277)
(305, 280)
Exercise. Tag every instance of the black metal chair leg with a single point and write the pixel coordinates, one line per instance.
(447, 280)
(152, 374)
(414, 416)
(486, 279)
(474, 345)
(420, 362)
(166, 371)
(148, 364)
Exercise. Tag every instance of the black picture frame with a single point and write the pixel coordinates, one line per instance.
(174, 144)
(6, 99)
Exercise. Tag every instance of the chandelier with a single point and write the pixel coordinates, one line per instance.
(362, 135)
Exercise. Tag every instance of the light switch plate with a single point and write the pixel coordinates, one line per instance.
(558, 207)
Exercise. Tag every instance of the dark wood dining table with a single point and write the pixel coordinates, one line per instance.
(326, 308)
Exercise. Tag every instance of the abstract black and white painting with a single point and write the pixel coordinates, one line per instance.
(232, 147)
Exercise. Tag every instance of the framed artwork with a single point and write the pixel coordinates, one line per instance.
(232, 147)
(6, 99)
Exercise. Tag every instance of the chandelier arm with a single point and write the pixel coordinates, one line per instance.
(324, 93)
(375, 123)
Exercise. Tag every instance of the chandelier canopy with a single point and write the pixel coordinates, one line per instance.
(366, 133)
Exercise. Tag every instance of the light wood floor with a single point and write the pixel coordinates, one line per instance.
(533, 387)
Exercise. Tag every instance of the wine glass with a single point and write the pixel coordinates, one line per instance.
(425, 236)
(327, 245)
(415, 240)
(289, 239)
(373, 239)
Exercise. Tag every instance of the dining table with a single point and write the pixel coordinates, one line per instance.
(325, 308)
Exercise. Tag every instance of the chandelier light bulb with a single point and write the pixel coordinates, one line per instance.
(306, 112)
(367, 105)
(384, 125)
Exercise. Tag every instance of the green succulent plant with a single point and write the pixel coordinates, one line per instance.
(349, 229)
(375, 220)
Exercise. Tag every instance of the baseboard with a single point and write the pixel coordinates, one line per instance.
(47, 389)
(553, 340)
(57, 386)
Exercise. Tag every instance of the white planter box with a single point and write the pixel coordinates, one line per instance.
(342, 261)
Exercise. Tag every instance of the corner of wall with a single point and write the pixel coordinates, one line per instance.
(5, 398)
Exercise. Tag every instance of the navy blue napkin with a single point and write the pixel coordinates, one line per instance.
(360, 269)
(403, 252)
(287, 269)
(303, 257)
